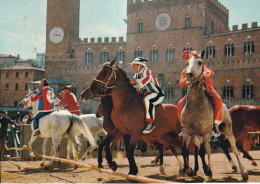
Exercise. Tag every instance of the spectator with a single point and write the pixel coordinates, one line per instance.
(30, 118)
(25, 118)
(4, 121)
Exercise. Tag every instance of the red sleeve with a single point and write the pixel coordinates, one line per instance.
(207, 71)
(63, 101)
(147, 77)
(182, 82)
(37, 96)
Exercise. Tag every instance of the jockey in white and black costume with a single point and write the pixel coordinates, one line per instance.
(149, 87)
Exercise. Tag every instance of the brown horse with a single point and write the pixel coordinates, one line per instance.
(244, 118)
(128, 112)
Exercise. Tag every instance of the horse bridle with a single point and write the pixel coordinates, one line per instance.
(199, 78)
(106, 87)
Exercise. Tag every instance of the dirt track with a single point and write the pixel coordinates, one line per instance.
(30, 172)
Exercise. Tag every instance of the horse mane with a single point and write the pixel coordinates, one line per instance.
(124, 74)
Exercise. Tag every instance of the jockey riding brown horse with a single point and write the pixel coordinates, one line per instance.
(128, 112)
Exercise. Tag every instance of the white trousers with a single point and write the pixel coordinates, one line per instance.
(150, 101)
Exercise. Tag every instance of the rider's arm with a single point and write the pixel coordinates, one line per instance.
(146, 78)
(207, 71)
(182, 82)
(37, 96)
(63, 101)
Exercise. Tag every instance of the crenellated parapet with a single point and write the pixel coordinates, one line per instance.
(244, 26)
(103, 40)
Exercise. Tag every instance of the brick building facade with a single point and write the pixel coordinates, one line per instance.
(159, 30)
(15, 81)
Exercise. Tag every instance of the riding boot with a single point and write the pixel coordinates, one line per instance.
(149, 128)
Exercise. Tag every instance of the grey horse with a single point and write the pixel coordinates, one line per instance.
(197, 118)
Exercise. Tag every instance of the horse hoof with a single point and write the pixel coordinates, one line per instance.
(161, 169)
(254, 163)
(83, 158)
(113, 166)
(189, 171)
(234, 168)
(75, 167)
(46, 167)
(42, 164)
(100, 166)
(244, 176)
(33, 158)
(208, 172)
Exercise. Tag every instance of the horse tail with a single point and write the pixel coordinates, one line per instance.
(79, 124)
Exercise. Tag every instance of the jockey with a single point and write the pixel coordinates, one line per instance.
(149, 87)
(70, 100)
(217, 101)
(46, 106)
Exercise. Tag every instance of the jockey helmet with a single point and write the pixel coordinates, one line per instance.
(44, 82)
(140, 61)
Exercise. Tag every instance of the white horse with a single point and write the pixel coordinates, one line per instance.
(94, 124)
(55, 125)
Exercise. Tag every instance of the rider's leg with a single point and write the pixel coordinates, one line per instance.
(150, 101)
(180, 106)
(218, 103)
(36, 122)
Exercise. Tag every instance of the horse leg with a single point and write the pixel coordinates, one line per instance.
(70, 150)
(229, 134)
(44, 146)
(112, 164)
(196, 167)
(33, 138)
(173, 150)
(100, 150)
(207, 168)
(130, 156)
(224, 146)
(160, 148)
(185, 153)
(73, 141)
(246, 155)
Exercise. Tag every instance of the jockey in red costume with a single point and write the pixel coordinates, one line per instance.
(210, 90)
(149, 87)
(69, 100)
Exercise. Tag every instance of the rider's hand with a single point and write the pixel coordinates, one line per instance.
(132, 81)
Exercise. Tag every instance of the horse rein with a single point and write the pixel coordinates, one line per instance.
(106, 87)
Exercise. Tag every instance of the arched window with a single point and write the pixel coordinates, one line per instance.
(89, 56)
(228, 91)
(120, 55)
(138, 52)
(154, 54)
(249, 47)
(210, 50)
(187, 47)
(170, 53)
(247, 91)
(104, 55)
(212, 27)
(168, 91)
(229, 48)
(187, 21)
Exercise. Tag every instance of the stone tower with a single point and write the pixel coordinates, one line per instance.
(62, 28)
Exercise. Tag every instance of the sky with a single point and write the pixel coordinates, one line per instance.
(23, 22)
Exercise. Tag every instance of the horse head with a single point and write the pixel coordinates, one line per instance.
(194, 69)
(99, 85)
(26, 102)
